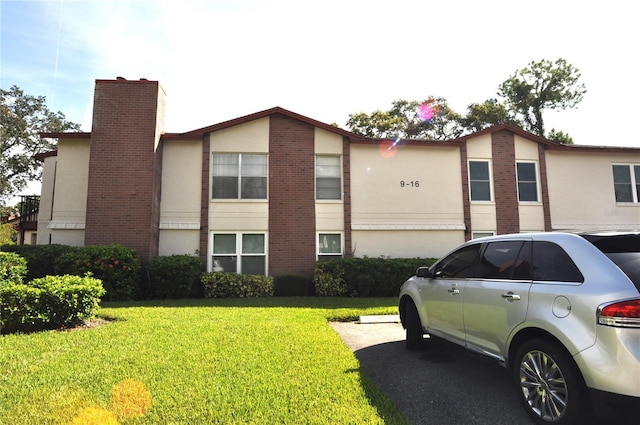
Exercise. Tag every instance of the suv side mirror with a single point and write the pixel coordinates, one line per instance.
(424, 272)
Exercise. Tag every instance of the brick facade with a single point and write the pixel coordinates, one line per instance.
(504, 182)
(292, 220)
(123, 200)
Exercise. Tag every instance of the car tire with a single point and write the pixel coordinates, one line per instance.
(549, 384)
(414, 333)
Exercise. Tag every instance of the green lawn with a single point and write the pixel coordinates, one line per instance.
(239, 361)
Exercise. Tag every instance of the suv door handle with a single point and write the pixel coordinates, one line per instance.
(510, 296)
(453, 291)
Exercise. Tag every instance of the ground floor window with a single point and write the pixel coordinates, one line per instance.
(239, 253)
(626, 182)
(329, 246)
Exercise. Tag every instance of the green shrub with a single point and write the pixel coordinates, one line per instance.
(117, 266)
(233, 285)
(173, 276)
(290, 285)
(40, 258)
(365, 277)
(328, 279)
(48, 303)
(13, 268)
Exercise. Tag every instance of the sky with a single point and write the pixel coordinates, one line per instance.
(222, 59)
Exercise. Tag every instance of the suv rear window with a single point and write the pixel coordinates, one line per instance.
(623, 250)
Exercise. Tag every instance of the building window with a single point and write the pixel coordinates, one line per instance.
(328, 177)
(479, 181)
(527, 182)
(329, 246)
(239, 176)
(476, 235)
(626, 182)
(239, 253)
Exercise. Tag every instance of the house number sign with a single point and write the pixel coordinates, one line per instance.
(412, 183)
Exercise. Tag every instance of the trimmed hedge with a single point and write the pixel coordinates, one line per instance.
(232, 285)
(365, 277)
(174, 276)
(117, 266)
(40, 258)
(291, 285)
(48, 303)
(13, 268)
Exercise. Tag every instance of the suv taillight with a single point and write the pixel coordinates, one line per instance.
(624, 314)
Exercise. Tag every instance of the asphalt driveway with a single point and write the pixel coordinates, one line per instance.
(440, 384)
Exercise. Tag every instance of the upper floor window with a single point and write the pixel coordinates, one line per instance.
(239, 176)
(626, 182)
(328, 177)
(527, 182)
(479, 181)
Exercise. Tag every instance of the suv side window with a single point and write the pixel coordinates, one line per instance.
(498, 260)
(552, 263)
(458, 263)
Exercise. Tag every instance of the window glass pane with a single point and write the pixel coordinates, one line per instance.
(552, 263)
(622, 183)
(253, 265)
(498, 260)
(224, 244)
(479, 183)
(458, 264)
(254, 188)
(328, 188)
(224, 188)
(329, 243)
(478, 170)
(252, 244)
(254, 165)
(228, 264)
(328, 166)
(637, 174)
(527, 182)
(225, 165)
(522, 270)
(480, 191)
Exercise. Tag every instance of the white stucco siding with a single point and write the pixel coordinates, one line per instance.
(405, 243)
(240, 215)
(251, 137)
(329, 214)
(402, 203)
(62, 219)
(178, 242)
(180, 199)
(531, 214)
(581, 191)
(482, 213)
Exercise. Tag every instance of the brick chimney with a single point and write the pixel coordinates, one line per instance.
(123, 199)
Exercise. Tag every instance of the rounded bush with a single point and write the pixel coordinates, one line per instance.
(173, 276)
(13, 268)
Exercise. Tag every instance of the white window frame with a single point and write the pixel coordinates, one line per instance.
(482, 234)
(341, 190)
(635, 197)
(537, 182)
(321, 255)
(238, 250)
(490, 170)
(239, 175)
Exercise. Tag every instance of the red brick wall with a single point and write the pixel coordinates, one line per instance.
(346, 197)
(544, 187)
(123, 200)
(292, 231)
(505, 182)
(466, 197)
(205, 198)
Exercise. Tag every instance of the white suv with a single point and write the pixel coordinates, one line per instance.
(560, 310)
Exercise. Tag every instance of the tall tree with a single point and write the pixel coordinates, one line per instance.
(487, 114)
(22, 118)
(431, 119)
(542, 85)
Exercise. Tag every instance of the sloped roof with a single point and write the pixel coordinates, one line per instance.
(199, 133)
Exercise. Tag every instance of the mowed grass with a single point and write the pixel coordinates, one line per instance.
(239, 361)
